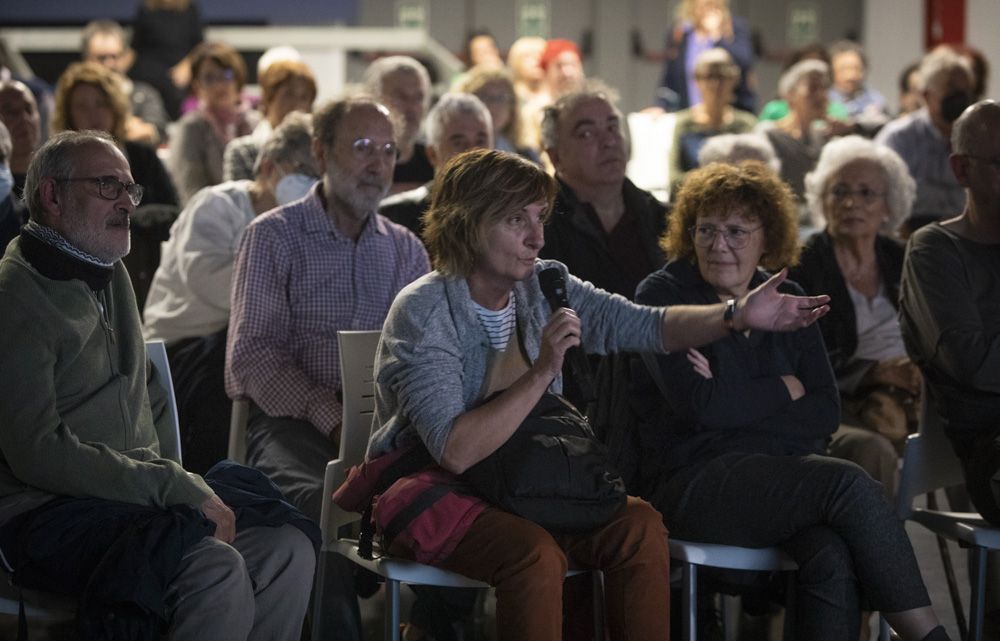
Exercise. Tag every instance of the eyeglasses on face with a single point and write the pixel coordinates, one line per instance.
(110, 188)
(367, 148)
(736, 237)
(217, 77)
(864, 195)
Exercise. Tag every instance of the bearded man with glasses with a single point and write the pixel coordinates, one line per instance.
(303, 271)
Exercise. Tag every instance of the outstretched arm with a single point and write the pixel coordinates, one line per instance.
(763, 308)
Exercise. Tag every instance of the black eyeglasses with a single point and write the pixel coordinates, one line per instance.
(110, 188)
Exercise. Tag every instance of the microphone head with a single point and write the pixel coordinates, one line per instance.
(553, 287)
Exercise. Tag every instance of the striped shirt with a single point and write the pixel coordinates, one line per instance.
(297, 280)
(500, 324)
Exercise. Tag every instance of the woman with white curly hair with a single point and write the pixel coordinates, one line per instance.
(857, 195)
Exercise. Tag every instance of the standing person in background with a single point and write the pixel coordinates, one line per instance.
(200, 140)
(105, 43)
(286, 86)
(703, 25)
(403, 85)
(164, 34)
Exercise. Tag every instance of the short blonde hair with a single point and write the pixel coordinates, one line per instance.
(750, 187)
(105, 81)
(476, 190)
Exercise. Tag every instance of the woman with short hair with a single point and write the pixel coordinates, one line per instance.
(199, 140)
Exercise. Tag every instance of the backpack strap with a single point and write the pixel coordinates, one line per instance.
(412, 461)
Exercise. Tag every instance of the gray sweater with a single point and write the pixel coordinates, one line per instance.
(434, 354)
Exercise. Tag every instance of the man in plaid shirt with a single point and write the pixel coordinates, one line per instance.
(324, 263)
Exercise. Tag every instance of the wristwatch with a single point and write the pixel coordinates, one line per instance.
(729, 316)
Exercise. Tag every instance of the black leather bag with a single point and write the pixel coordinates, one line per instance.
(552, 471)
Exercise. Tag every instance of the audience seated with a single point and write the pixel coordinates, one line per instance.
(286, 86)
(866, 107)
(188, 302)
(736, 148)
(750, 414)
(469, 349)
(911, 90)
(777, 108)
(950, 308)
(91, 501)
(458, 122)
(715, 75)
(858, 194)
(12, 210)
(702, 25)
(89, 96)
(403, 85)
(602, 227)
(302, 272)
(104, 42)
(200, 138)
(19, 113)
(922, 137)
(495, 87)
(563, 66)
(799, 137)
(524, 61)
(481, 50)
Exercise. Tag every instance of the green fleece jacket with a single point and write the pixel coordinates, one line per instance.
(76, 418)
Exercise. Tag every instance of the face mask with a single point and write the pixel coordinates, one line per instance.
(954, 104)
(292, 187)
(6, 181)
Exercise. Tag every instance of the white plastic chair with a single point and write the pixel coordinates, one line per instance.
(47, 607)
(357, 359)
(693, 555)
(930, 464)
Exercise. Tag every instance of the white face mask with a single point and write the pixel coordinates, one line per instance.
(6, 181)
(292, 187)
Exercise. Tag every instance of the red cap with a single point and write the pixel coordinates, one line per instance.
(553, 48)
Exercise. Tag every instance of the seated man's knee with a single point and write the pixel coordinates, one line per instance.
(213, 574)
(638, 529)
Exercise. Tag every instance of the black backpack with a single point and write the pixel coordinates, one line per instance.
(552, 471)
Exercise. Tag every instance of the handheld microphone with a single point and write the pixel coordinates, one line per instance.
(554, 288)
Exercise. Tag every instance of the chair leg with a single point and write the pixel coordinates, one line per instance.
(689, 601)
(317, 605)
(392, 610)
(977, 605)
(597, 584)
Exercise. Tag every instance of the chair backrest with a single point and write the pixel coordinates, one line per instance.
(929, 461)
(170, 443)
(357, 376)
